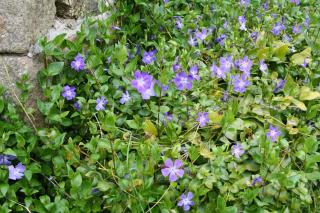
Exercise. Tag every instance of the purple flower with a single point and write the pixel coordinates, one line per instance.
(78, 63)
(225, 25)
(142, 81)
(179, 23)
(101, 102)
(16, 173)
(192, 41)
(221, 39)
(256, 180)
(296, 29)
(254, 35)
(305, 63)
(225, 96)
(148, 92)
(297, 2)
(115, 28)
(245, 65)
(278, 28)
(165, 1)
(176, 67)
(203, 118)
(240, 83)
(69, 92)
(225, 63)
(194, 72)
(149, 57)
(307, 22)
(183, 81)
(186, 201)
(273, 134)
(77, 105)
(173, 170)
(167, 118)
(245, 3)
(242, 22)
(202, 35)
(286, 38)
(279, 86)
(6, 159)
(263, 67)
(125, 98)
(265, 5)
(237, 150)
(217, 71)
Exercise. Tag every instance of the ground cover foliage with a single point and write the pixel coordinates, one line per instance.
(172, 106)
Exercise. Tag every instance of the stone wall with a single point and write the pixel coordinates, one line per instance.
(22, 22)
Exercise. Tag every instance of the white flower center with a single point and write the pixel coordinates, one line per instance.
(140, 82)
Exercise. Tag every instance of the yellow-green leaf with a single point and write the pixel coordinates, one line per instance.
(149, 128)
(299, 58)
(280, 49)
(205, 152)
(306, 94)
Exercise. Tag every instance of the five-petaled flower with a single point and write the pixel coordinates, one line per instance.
(225, 63)
(245, 65)
(17, 172)
(263, 67)
(149, 57)
(172, 169)
(194, 72)
(278, 28)
(240, 83)
(256, 180)
(6, 159)
(78, 63)
(69, 92)
(125, 97)
(217, 72)
(237, 150)
(183, 81)
(279, 86)
(101, 102)
(186, 201)
(273, 134)
(203, 118)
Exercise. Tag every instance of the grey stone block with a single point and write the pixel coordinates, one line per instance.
(22, 22)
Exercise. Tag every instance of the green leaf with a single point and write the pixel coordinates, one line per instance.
(306, 94)
(4, 188)
(76, 180)
(55, 68)
(1, 105)
(132, 124)
(109, 122)
(313, 176)
(104, 186)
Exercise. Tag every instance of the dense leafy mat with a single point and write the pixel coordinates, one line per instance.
(173, 105)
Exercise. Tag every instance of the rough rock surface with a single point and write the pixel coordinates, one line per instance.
(22, 22)
(75, 8)
(16, 67)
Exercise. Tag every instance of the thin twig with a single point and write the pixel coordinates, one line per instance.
(164, 193)
(16, 96)
(28, 210)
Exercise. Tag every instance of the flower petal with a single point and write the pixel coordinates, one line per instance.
(165, 172)
(179, 172)
(172, 177)
(168, 163)
(178, 163)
